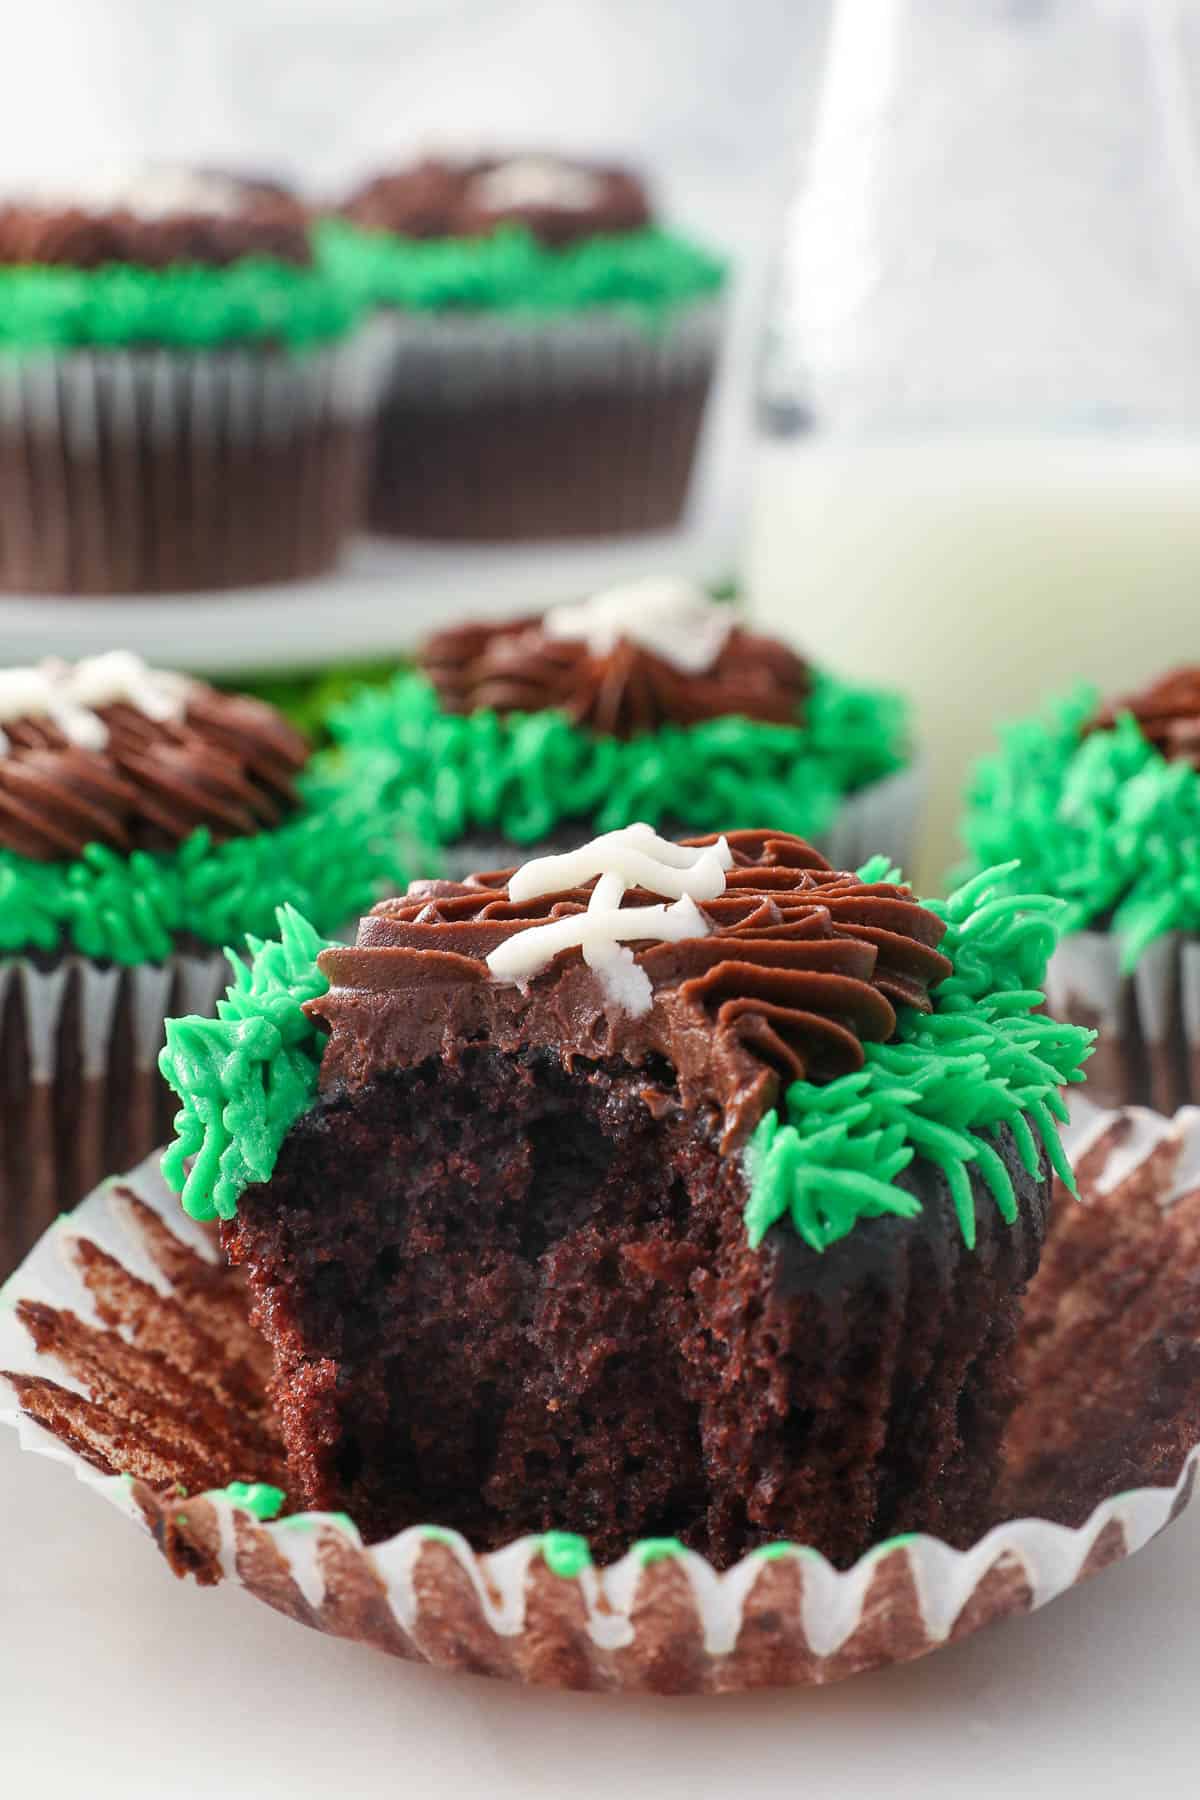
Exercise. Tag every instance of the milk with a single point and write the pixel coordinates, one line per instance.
(978, 578)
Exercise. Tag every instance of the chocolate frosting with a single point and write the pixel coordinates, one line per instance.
(438, 198)
(517, 667)
(270, 222)
(801, 967)
(227, 764)
(1168, 712)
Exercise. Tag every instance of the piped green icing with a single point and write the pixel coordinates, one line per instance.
(646, 274)
(941, 1089)
(1105, 822)
(329, 860)
(257, 1497)
(304, 1524)
(523, 774)
(186, 306)
(565, 1554)
(659, 1549)
(246, 1076)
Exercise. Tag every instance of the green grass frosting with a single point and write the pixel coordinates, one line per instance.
(941, 1089)
(647, 274)
(186, 306)
(523, 774)
(1105, 822)
(329, 860)
(246, 1076)
(829, 1157)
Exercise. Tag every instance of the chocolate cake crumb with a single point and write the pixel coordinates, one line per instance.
(509, 1296)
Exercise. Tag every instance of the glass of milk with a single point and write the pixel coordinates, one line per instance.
(984, 367)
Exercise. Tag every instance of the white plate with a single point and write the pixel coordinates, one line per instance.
(382, 601)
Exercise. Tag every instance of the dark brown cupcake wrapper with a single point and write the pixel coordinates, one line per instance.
(495, 429)
(156, 471)
(1148, 1020)
(80, 1092)
(125, 1346)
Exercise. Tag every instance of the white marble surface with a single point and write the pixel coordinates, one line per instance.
(116, 1680)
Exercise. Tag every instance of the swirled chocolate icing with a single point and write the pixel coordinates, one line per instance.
(619, 691)
(139, 781)
(800, 967)
(187, 217)
(559, 201)
(1168, 713)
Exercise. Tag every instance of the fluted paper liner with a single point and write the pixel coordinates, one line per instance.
(1147, 1019)
(498, 428)
(150, 470)
(125, 1348)
(80, 1092)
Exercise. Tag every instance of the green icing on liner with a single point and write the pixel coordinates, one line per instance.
(647, 274)
(246, 1076)
(658, 1549)
(523, 774)
(565, 1554)
(257, 1497)
(186, 306)
(940, 1089)
(1105, 822)
(328, 860)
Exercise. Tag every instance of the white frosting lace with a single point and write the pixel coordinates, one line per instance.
(147, 190)
(536, 181)
(673, 618)
(70, 695)
(633, 857)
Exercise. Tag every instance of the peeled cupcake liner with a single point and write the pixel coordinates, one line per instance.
(882, 817)
(80, 1093)
(1148, 1020)
(120, 1341)
(502, 427)
(127, 470)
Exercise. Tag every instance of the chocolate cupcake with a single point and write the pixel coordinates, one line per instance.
(553, 348)
(649, 701)
(1101, 804)
(183, 393)
(145, 821)
(649, 1191)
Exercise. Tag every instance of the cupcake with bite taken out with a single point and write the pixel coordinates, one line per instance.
(681, 1192)
(183, 390)
(146, 821)
(650, 701)
(553, 347)
(1099, 804)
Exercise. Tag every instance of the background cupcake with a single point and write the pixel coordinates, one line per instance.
(553, 348)
(182, 396)
(647, 702)
(145, 822)
(1101, 804)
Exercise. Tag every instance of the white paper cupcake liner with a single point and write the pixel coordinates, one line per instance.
(458, 359)
(502, 428)
(151, 470)
(80, 1094)
(119, 1332)
(1148, 1021)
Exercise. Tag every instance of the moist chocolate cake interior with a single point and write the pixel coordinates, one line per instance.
(507, 1297)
